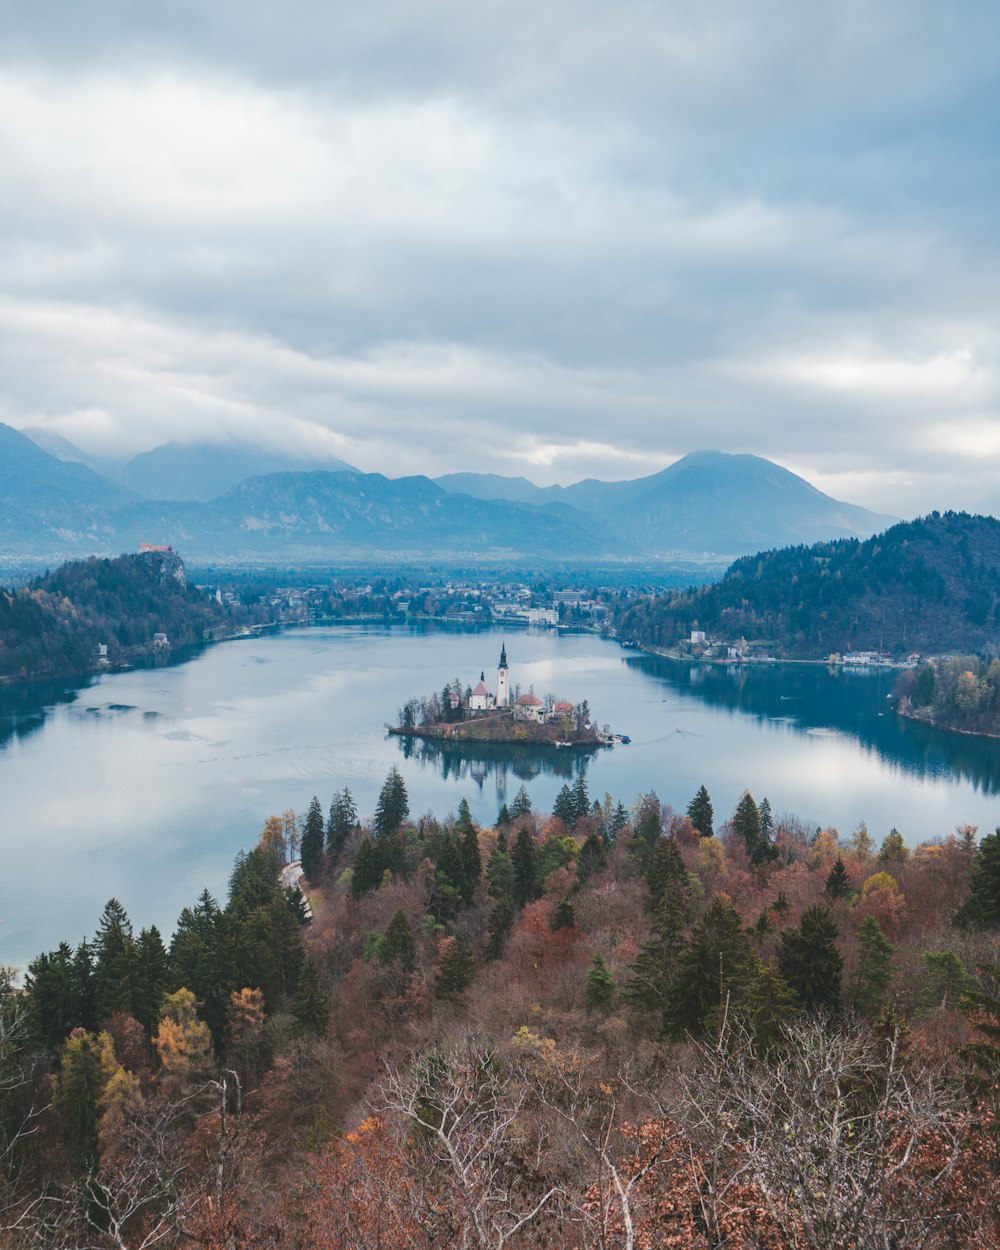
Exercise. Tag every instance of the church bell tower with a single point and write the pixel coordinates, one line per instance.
(503, 679)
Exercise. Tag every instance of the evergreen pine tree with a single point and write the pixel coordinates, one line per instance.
(390, 851)
(564, 808)
(83, 979)
(600, 992)
(251, 882)
(51, 986)
(116, 962)
(500, 871)
(564, 916)
(715, 963)
(648, 986)
(449, 878)
(78, 1099)
(648, 823)
(393, 805)
(982, 1006)
(205, 943)
(701, 813)
(503, 816)
(746, 822)
(152, 978)
(398, 945)
(472, 863)
(663, 866)
(310, 1006)
(498, 928)
(456, 969)
(765, 1006)
(947, 981)
(343, 818)
(874, 972)
(809, 961)
(525, 864)
(592, 857)
(521, 805)
(311, 850)
(366, 873)
(981, 910)
(581, 800)
(618, 821)
(838, 883)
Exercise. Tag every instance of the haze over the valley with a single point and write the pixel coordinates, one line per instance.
(558, 241)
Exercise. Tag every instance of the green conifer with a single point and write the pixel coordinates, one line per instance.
(981, 910)
(809, 961)
(456, 968)
(600, 992)
(310, 1006)
(648, 986)
(838, 883)
(713, 968)
(311, 848)
(564, 916)
(498, 928)
(398, 944)
(393, 805)
(874, 972)
(366, 873)
(521, 805)
(663, 865)
(343, 818)
(701, 813)
(525, 864)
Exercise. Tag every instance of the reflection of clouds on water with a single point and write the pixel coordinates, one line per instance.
(506, 765)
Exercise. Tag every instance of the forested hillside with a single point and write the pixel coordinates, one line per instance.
(53, 627)
(926, 585)
(603, 1027)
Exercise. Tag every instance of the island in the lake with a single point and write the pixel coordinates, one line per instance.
(479, 714)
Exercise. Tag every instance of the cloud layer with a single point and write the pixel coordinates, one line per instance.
(560, 240)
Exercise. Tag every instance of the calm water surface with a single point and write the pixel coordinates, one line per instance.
(145, 784)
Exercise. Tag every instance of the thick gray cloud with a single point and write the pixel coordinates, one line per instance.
(559, 240)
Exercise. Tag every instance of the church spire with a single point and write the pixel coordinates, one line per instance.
(503, 679)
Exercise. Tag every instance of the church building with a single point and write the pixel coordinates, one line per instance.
(481, 698)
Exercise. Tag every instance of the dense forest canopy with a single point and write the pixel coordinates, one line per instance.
(598, 1027)
(54, 626)
(927, 585)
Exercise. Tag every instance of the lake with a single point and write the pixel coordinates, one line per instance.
(144, 784)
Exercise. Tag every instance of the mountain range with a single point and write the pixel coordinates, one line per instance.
(245, 503)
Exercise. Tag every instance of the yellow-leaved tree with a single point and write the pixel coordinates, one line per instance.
(184, 1045)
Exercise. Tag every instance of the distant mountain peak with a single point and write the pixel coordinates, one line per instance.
(201, 471)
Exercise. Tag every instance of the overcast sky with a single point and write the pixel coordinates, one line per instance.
(557, 238)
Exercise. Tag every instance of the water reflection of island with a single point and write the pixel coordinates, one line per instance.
(504, 763)
(810, 697)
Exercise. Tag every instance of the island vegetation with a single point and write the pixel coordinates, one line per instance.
(475, 714)
(601, 1026)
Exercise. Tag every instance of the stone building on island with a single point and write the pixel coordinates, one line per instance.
(525, 707)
